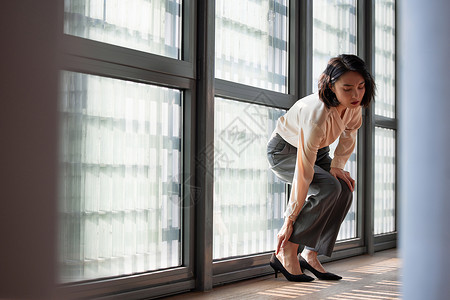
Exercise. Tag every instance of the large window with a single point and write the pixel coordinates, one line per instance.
(166, 108)
(120, 177)
(385, 120)
(251, 42)
(147, 25)
(123, 214)
(385, 57)
(249, 200)
(251, 49)
(334, 32)
(384, 199)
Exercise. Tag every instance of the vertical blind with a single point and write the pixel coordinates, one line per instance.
(120, 162)
(251, 47)
(120, 141)
(334, 33)
(251, 42)
(385, 57)
(249, 200)
(152, 26)
(384, 201)
(385, 139)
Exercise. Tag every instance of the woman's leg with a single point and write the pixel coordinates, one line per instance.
(331, 229)
(337, 216)
(315, 222)
(324, 191)
(288, 257)
(282, 159)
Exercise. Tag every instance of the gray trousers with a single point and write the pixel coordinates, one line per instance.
(327, 203)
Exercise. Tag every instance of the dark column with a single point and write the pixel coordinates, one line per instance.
(28, 156)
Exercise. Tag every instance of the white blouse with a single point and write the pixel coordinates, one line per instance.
(309, 125)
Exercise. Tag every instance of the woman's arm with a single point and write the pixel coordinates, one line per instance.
(309, 142)
(344, 175)
(344, 149)
(347, 142)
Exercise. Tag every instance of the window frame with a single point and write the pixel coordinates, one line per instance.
(97, 58)
(239, 268)
(193, 74)
(383, 241)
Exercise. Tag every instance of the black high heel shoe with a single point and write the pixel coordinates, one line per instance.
(324, 276)
(278, 266)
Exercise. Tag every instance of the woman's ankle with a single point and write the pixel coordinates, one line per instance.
(309, 254)
(311, 257)
(291, 248)
(290, 262)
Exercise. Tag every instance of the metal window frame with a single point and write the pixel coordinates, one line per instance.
(204, 139)
(386, 240)
(305, 50)
(365, 43)
(97, 58)
(300, 64)
(239, 268)
(194, 75)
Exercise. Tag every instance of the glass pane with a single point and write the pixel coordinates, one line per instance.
(249, 201)
(349, 225)
(120, 152)
(385, 57)
(147, 25)
(251, 42)
(334, 32)
(384, 180)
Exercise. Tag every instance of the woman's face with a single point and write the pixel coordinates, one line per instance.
(349, 89)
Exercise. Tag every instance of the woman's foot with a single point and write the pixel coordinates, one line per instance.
(315, 266)
(311, 258)
(288, 258)
(278, 267)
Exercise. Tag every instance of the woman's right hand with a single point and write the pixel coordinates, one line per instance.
(284, 234)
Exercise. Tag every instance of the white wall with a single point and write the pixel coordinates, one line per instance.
(424, 114)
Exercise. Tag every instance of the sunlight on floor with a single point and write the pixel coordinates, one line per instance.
(298, 289)
(380, 267)
(384, 289)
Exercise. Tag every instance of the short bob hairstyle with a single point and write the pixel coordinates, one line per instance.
(336, 67)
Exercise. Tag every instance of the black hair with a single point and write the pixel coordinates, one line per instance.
(337, 66)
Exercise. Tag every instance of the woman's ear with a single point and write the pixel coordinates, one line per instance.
(331, 86)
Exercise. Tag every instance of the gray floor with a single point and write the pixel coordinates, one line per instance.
(364, 277)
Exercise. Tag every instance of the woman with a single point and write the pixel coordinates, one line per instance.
(298, 153)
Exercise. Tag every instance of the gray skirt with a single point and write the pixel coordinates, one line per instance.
(327, 203)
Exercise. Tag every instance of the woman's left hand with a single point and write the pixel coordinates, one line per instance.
(344, 175)
(284, 234)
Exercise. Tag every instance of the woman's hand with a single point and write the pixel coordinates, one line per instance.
(284, 234)
(344, 175)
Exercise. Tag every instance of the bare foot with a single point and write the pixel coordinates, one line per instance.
(311, 258)
(288, 257)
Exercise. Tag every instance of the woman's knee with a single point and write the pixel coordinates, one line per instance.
(346, 194)
(333, 188)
